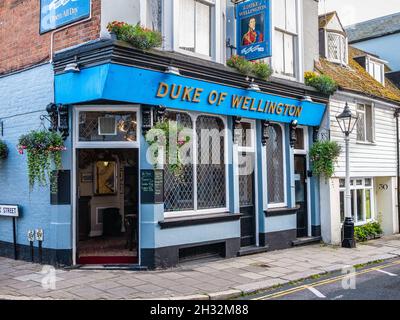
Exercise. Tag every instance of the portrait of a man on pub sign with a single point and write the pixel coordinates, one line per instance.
(252, 30)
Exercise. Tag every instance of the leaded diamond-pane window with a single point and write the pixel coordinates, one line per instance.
(178, 190)
(337, 48)
(275, 165)
(205, 173)
(210, 163)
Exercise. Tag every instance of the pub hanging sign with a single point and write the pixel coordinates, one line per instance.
(253, 27)
(58, 13)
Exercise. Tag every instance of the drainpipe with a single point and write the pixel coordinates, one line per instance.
(396, 115)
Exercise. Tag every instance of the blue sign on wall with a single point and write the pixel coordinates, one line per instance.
(253, 27)
(57, 13)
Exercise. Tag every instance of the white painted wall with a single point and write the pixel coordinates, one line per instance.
(330, 211)
(119, 10)
(310, 32)
(366, 160)
(386, 204)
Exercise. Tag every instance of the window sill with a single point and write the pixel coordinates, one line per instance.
(276, 212)
(367, 143)
(197, 220)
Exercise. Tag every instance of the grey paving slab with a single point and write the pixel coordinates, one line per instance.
(244, 274)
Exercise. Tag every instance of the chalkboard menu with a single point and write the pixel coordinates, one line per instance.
(152, 186)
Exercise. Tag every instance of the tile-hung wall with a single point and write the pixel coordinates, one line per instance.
(24, 97)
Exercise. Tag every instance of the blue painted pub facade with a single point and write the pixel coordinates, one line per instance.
(209, 209)
(113, 95)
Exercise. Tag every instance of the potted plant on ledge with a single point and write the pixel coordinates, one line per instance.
(138, 36)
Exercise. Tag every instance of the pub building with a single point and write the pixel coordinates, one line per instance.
(114, 206)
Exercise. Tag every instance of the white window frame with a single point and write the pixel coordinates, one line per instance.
(171, 32)
(101, 145)
(266, 204)
(343, 51)
(252, 147)
(305, 137)
(365, 141)
(298, 58)
(381, 65)
(106, 144)
(356, 187)
(197, 212)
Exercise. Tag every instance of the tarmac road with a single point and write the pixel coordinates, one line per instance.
(374, 282)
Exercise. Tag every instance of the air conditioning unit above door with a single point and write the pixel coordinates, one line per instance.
(107, 126)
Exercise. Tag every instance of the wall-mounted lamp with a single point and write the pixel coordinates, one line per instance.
(315, 134)
(265, 132)
(159, 113)
(293, 137)
(146, 119)
(63, 118)
(236, 126)
(72, 67)
(172, 70)
(307, 98)
(53, 116)
(252, 86)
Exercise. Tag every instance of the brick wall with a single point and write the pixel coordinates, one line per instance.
(22, 45)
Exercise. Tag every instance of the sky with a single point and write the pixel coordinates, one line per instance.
(353, 11)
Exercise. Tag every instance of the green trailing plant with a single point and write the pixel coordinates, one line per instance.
(136, 35)
(262, 70)
(322, 83)
(160, 138)
(256, 69)
(3, 150)
(43, 150)
(368, 231)
(323, 155)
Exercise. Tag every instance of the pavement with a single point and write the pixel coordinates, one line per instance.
(200, 280)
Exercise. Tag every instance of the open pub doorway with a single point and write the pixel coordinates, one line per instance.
(107, 206)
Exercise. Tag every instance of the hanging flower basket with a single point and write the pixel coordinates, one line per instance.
(160, 136)
(323, 155)
(43, 150)
(3, 150)
(136, 35)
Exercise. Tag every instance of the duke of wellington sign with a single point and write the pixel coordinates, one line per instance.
(135, 85)
(238, 102)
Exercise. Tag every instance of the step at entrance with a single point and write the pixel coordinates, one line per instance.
(305, 241)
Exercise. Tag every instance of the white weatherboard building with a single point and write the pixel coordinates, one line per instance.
(373, 145)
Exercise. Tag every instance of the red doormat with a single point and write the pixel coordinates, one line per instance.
(107, 260)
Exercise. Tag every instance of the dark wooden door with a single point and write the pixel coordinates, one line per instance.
(247, 221)
(300, 170)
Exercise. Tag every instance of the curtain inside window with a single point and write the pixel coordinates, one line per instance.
(368, 121)
(187, 25)
(203, 28)
(278, 53)
(289, 54)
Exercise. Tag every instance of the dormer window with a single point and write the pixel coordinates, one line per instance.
(337, 48)
(376, 69)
